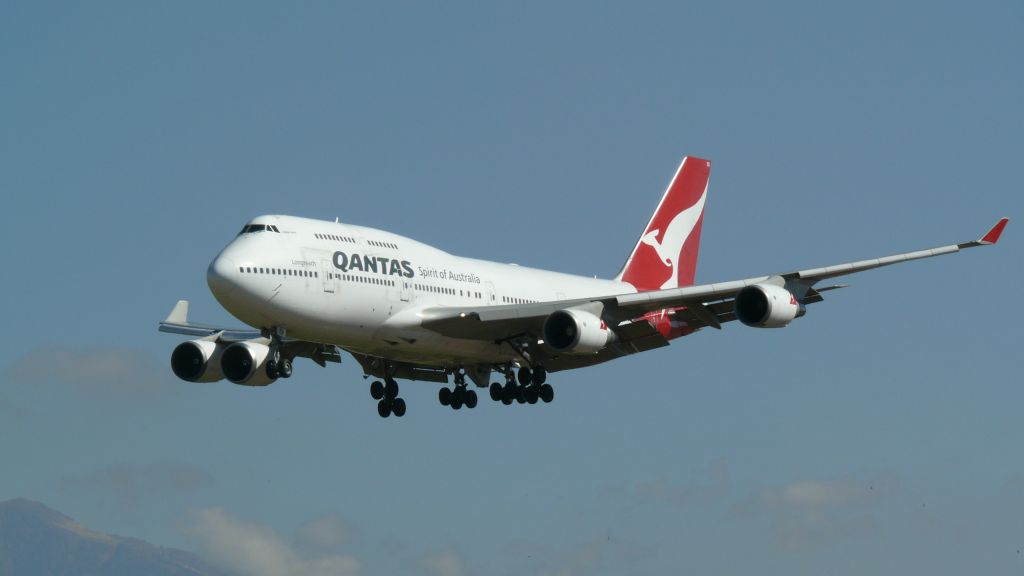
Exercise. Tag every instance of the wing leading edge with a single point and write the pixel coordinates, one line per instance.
(705, 305)
(177, 323)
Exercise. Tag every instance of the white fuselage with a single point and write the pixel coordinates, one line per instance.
(363, 289)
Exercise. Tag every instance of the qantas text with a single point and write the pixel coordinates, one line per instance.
(379, 265)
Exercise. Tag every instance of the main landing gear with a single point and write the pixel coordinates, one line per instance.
(387, 394)
(529, 389)
(459, 396)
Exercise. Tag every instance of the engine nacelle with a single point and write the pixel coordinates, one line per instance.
(245, 363)
(197, 361)
(572, 331)
(767, 306)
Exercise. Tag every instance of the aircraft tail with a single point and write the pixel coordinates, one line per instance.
(666, 254)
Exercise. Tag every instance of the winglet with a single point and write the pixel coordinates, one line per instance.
(990, 237)
(178, 315)
(993, 235)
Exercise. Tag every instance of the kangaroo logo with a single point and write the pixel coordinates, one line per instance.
(676, 234)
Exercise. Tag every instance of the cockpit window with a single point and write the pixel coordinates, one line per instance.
(258, 228)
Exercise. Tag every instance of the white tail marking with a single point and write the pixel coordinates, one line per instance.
(676, 234)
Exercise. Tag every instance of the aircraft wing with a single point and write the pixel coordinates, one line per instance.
(699, 306)
(177, 323)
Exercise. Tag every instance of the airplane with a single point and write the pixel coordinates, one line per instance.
(405, 310)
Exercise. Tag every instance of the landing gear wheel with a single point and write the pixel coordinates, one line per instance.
(399, 407)
(495, 391)
(525, 376)
(384, 408)
(547, 393)
(521, 394)
(456, 403)
(532, 393)
(470, 399)
(285, 368)
(391, 388)
(444, 396)
(377, 390)
(506, 400)
(272, 370)
(540, 375)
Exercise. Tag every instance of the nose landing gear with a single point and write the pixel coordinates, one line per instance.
(278, 365)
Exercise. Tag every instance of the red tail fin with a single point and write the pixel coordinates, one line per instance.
(666, 254)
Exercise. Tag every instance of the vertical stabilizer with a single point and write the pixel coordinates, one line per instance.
(666, 254)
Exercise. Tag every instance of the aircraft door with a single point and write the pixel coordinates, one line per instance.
(327, 276)
(406, 288)
(492, 299)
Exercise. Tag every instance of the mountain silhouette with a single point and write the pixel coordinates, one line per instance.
(38, 541)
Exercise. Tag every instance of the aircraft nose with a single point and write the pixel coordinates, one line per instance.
(221, 275)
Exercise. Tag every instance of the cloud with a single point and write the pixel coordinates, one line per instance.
(250, 549)
(132, 489)
(597, 555)
(88, 371)
(813, 494)
(128, 484)
(807, 514)
(444, 563)
(709, 485)
(322, 535)
(818, 494)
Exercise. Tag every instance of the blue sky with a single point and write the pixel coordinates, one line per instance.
(880, 433)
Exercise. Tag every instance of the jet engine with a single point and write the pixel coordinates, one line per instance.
(573, 331)
(197, 361)
(767, 306)
(245, 363)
